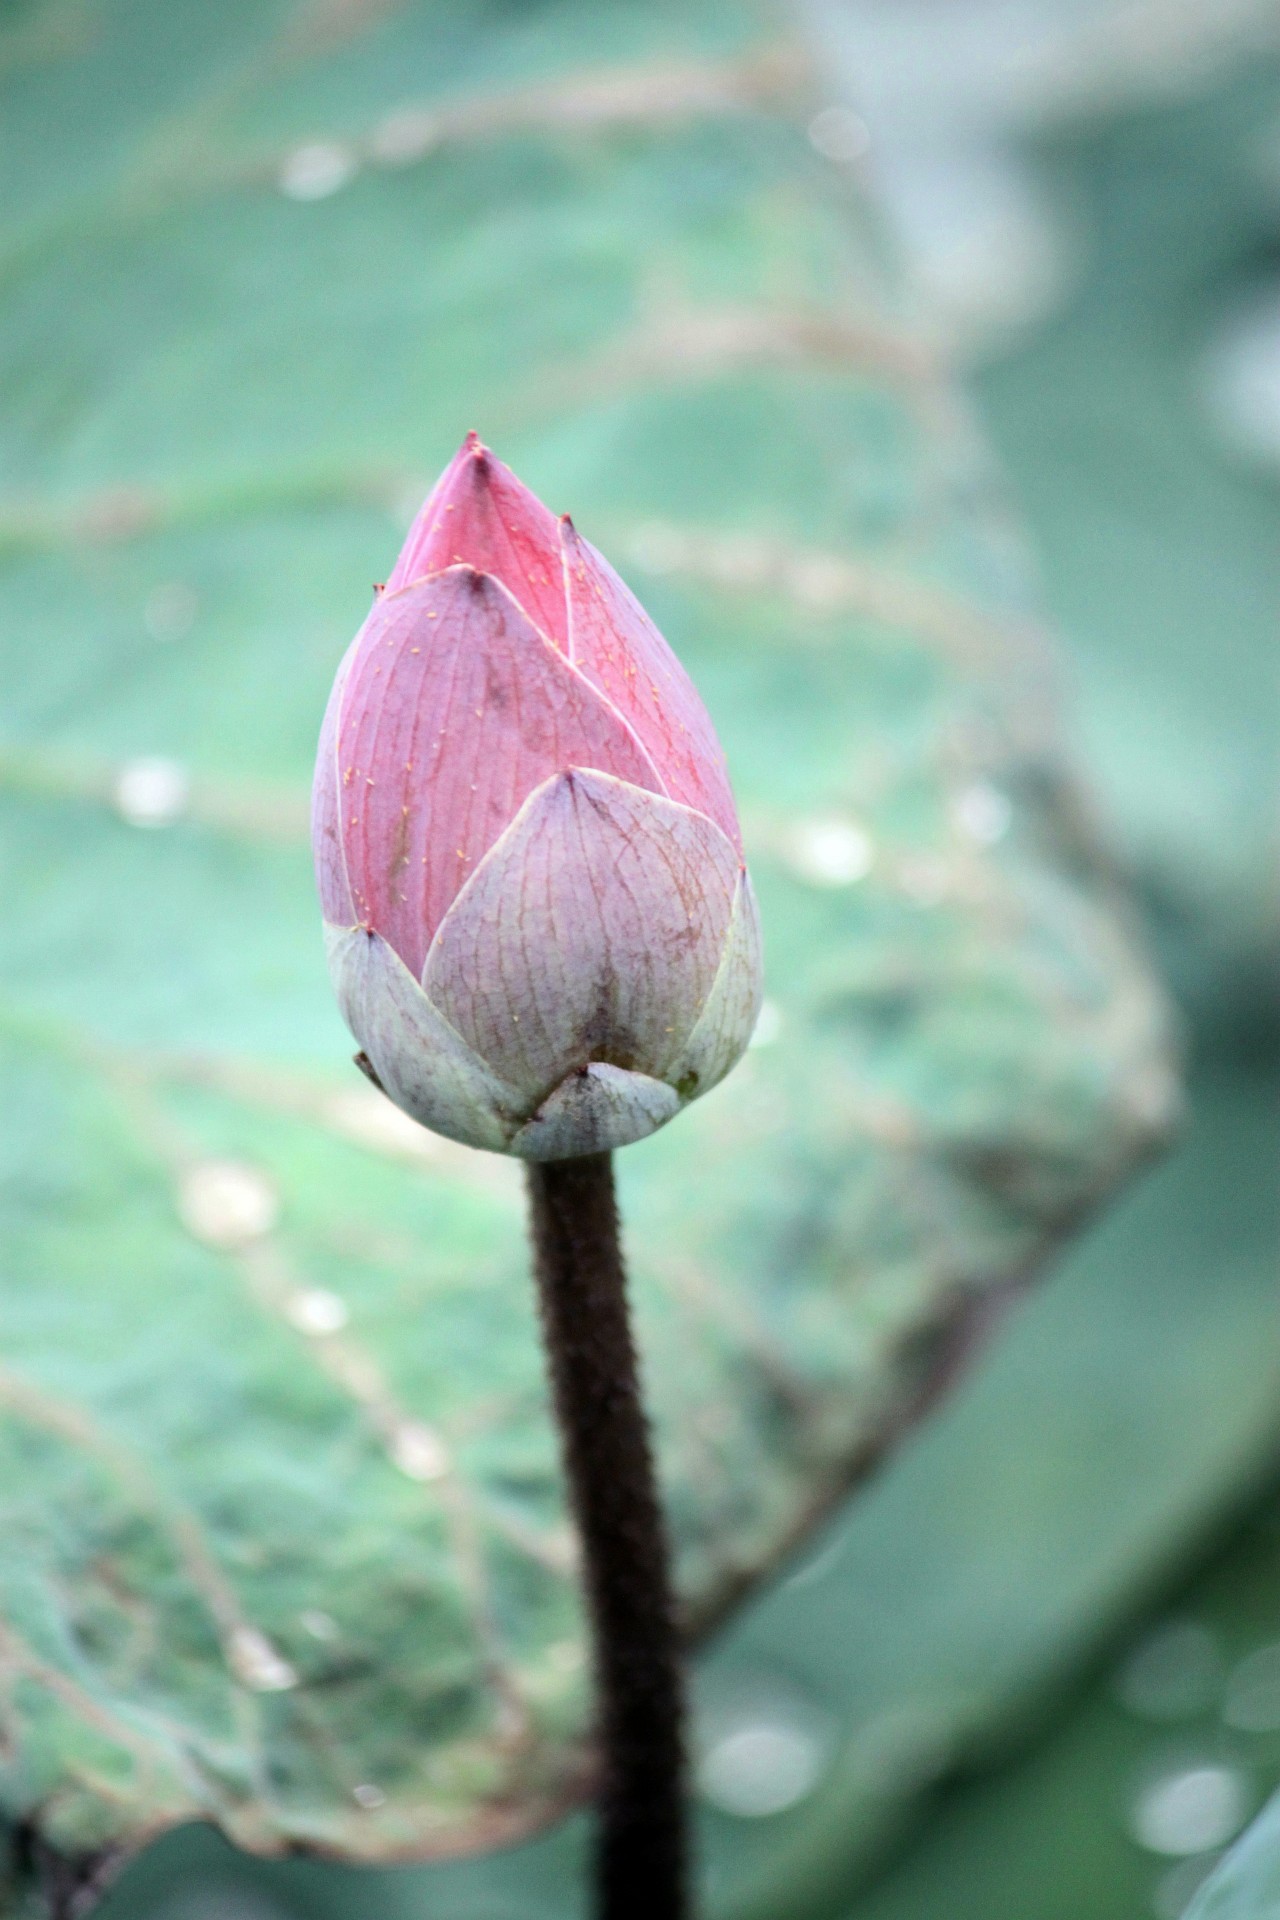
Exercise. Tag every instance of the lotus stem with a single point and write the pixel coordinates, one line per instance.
(641, 1856)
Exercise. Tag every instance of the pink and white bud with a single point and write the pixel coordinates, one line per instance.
(539, 924)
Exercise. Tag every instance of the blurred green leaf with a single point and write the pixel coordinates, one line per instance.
(1157, 538)
(283, 1541)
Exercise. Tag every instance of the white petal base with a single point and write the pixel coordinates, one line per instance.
(423, 1064)
(593, 1111)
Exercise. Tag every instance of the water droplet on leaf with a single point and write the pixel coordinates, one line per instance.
(152, 792)
(830, 851)
(257, 1664)
(316, 1310)
(314, 171)
(839, 134)
(227, 1204)
(1191, 1810)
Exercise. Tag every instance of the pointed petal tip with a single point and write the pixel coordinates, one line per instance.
(478, 461)
(481, 513)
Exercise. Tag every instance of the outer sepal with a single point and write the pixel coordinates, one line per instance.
(421, 1062)
(594, 1111)
(732, 1007)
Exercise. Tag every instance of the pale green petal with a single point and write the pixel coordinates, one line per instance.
(594, 1111)
(421, 1062)
(732, 1007)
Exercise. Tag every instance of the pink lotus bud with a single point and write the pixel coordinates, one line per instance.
(540, 927)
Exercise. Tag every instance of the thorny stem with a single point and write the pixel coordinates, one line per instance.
(641, 1850)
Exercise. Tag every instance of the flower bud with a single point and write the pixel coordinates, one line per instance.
(539, 924)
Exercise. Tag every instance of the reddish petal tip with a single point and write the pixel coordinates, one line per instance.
(481, 515)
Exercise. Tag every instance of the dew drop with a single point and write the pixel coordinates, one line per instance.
(368, 1796)
(830, 851)
(152, 792)
(982, 813)
(315, 1310)
(314, 171)
(418, 1452)
(257, 1664)
(320, 1625)
(761, 1747)
(839, 134)
(227, 1204)
(1191, 1810)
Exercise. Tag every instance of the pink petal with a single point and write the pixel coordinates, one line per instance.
(336, 900)
(455, 708)
(615, 644)
(593, 931)
(479, 515)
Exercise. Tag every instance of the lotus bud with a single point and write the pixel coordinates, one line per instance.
(540, 928)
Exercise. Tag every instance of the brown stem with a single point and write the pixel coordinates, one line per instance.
(641, 1855)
